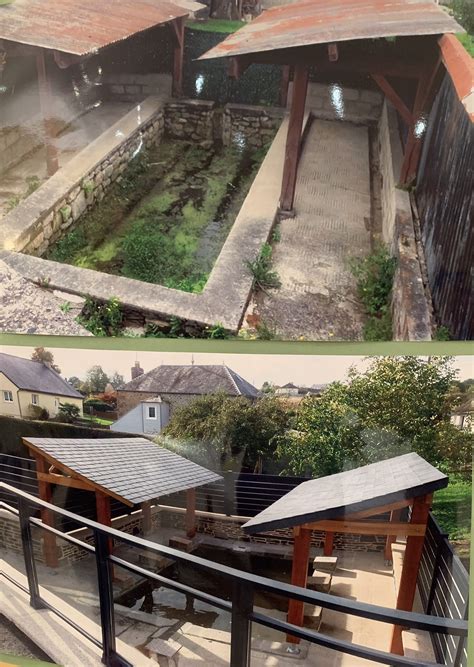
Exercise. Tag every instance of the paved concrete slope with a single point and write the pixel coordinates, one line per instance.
(317, 299)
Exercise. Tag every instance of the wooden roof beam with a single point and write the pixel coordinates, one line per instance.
(392, 95)
(369, 527)
(62, 480)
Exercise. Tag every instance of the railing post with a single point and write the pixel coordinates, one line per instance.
(104, 578)
(229, 493)
(28, 553)
(241, 629)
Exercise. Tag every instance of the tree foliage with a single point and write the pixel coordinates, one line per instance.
(45, 357)
(96, 380)
(239, 432)
(399, 404)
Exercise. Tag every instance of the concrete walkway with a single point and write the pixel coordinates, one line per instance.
(317, 298)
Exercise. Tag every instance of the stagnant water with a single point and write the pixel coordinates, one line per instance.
(161, 601)
(166, 221)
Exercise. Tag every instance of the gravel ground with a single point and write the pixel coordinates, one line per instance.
(14, 642)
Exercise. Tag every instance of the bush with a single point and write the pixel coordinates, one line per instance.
(463, 11)
(98, 405)
(378, 328)
(101, 319)
(374, 275)
(37, 412)
(68, 413)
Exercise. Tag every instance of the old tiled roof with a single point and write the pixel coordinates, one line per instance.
(131, 470)
(193, 379)
(35, 376)
(335, 496)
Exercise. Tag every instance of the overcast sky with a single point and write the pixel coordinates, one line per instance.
(303, 370)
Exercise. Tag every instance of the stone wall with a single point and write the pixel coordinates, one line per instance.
(124, 87)
(411, 309)
(229, 530)
(334, 102)
(15, 143)
(68, 553)
(190, 119)
(254, 125)
(127, 400)
(40, 220)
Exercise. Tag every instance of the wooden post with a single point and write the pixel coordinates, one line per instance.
(299, 576)
(293, 139)
(391, 94)
(411, 564)
(104, 515)
(44, 86)
(191, 513)
(328, 543)
(50, 552)
(146, 513)
(178, 27)
(426, 90)
(394, 517)
(284, 84)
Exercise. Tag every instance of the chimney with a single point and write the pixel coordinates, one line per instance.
(137, 370)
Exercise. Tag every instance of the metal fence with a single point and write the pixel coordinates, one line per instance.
(241, 606)
(443, 583)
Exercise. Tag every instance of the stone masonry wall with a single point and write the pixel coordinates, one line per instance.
(190, 119)
(124, 87)
(68, 553)
(334, 102)
(228, 530)
(15, 143)
(127, 400)
(253, 124)
(411, 311)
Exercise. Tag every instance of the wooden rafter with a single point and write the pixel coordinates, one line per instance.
(237, 66)
(392, 95)
(369, 527)
(63, 480)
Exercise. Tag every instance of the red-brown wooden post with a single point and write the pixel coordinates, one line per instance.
(394, 518)
(299, 576)
(104, 514)
(328, 543)
(50, 552)
(411, 565)
(284, 85)
(293, 139)
(191, 513)
(178, 27)
(146, 514)
(44, 86)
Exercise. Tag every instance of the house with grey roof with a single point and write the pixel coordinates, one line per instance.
(147, 402)
(27, 387)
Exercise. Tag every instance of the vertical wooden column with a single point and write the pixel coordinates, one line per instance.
(50, 552)
(178, 27)
(394, 517)
(411, 565)
(104, 515)
(44, 86)
(299, 576)
(293, 139)
(191, 513)
(284, 85)
(328, 543)
(146, 513)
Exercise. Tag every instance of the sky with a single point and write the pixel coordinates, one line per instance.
(303, 370)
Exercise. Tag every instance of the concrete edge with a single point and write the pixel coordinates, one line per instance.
(64, 644)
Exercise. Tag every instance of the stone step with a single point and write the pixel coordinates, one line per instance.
(325, 563)
(312, 616)
(319, 581)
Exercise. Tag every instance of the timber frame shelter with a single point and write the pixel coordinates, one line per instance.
(349, 502)
(134, 471)
(401, 39)
(64, 32)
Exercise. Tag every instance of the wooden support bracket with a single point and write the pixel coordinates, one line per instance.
(393, 96)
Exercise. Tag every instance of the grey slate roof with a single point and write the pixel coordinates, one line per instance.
(336, 496)
(35, 376)
(130, 469)
(192, 379)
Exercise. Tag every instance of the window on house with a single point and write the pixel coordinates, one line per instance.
(151, 412)
(34, 399)
(8, 396)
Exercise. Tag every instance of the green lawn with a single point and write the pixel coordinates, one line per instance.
(215, 25)
(21, 661)
(468, 42)
(97, 420)
(452, 509)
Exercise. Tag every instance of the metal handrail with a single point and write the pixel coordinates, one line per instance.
(241, 606)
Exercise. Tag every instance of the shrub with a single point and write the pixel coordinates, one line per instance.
(37, 412)
(98, 405)
(378, 328)
(101, 319)
(374, 275)
(68, 413)
(261, 269)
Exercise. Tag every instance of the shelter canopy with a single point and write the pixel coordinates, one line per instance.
(309, 22)
(82, 28)
(337, 496)
(132, 470)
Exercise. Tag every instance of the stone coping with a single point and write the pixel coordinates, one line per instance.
(229, 287)
(41, 202)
